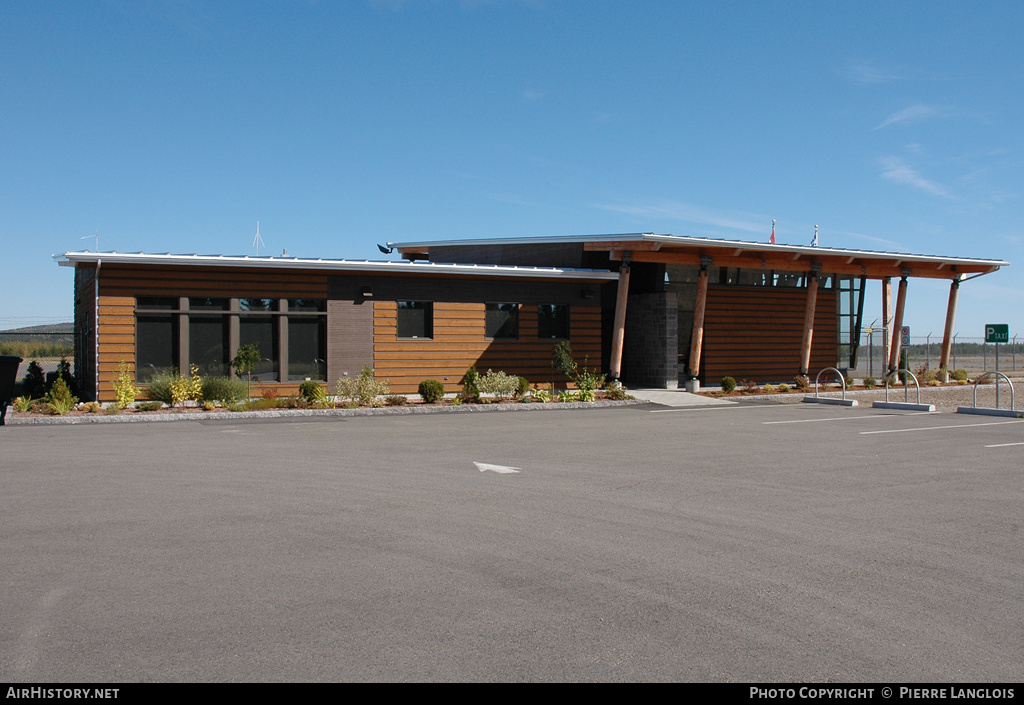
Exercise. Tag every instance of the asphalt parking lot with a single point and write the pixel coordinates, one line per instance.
(748, 542)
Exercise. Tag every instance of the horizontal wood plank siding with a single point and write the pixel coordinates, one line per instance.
(755, 333)
(459, 342)
(120, 284)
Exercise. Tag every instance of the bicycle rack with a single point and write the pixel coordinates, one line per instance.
(987, 411)
(905, 404)
(831, 400)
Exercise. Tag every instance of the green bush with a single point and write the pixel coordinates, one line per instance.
(524, 387)
(60, 399)
(784, 388)
(363, 390)
(870, 382)
(312, 392)
(150, 406)
(160, 388)
(395, 400)
(959, 374)
(728, 384)
(501, 385)
(470, 390)
(34, 384)
(224, 389)
(431, 391)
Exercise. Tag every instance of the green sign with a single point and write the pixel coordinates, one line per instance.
(997, 333)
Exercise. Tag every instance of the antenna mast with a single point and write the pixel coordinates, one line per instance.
(257, 241)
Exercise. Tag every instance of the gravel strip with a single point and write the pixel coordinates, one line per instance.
(157, 417)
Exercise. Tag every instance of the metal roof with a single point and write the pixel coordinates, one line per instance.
(699, 242)
(71, 259)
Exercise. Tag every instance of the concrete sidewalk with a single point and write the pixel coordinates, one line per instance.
(676, 397)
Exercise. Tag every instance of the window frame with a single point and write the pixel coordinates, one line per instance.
(513, 318)
(428, 319)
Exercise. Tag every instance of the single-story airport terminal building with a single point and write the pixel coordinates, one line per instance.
(650, 309)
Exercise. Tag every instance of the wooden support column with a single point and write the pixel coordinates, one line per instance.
(897, 325)
(697, 338)
(808, 337)
(619, 331)
(947, 335)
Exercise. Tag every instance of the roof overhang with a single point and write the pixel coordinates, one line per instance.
(72, 259)
(675, 249)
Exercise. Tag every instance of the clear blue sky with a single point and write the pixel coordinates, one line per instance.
(176, 126)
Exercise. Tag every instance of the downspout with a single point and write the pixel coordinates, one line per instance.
(96, 327)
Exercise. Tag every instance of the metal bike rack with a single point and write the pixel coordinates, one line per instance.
(905, 405)
(988, 411)
(831, 400)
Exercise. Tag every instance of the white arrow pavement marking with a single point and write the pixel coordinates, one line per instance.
(483, 467)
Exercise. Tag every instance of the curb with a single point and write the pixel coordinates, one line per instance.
(286, 413)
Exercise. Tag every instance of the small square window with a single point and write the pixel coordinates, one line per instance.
(502, 321)
(553, 322)
(415, 319)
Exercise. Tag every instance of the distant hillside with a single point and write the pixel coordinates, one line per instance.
(66, 328)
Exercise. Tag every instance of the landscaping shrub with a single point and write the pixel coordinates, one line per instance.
(959, 374)
(21, 404)
(470, 390)
(617, 392)
(501, 385)
(363, 390)
(749, 386)
(312, 392)
(768, 389)
(395, 400)
(60, 399)
(150, 406)
(34, 384)
(728, 384)
(802, 383)
(784, 388)
(186, 388)
(431, 391)
(223, 389)
(586, 380)
(160, 388)
(870, 382)
(541, 395)
(125, 389)
(524, 387)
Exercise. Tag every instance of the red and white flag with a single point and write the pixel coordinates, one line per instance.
(772, 240)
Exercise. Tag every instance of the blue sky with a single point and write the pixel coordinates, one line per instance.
(176, 126)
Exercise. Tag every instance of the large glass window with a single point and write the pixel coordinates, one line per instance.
(553, 321)
(262, 331)
(415, 319)
(502, 321)
(162, 323)
(156, 345)
(208, 344)
(307, 347)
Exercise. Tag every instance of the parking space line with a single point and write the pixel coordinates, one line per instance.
(938, 428)
(1003, 445)
(847, 418)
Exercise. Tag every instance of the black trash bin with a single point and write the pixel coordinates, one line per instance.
(8, 376)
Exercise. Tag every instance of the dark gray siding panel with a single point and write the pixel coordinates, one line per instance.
(462, 290)
(349, 338)
(562, 254)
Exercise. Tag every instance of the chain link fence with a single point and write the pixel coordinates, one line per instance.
(972, 354)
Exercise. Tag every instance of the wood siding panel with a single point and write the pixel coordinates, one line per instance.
(755, 333)
(459, 343)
